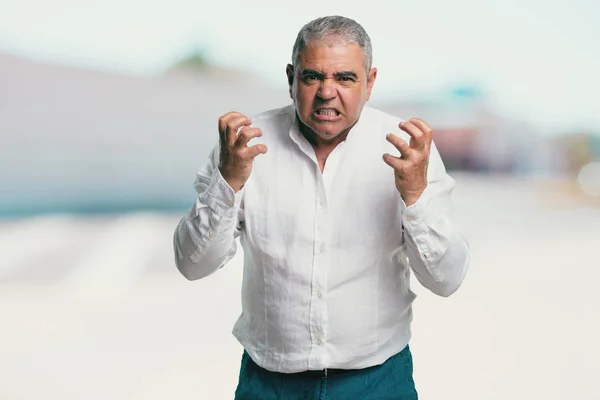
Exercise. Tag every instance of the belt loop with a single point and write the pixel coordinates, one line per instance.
(325, 372)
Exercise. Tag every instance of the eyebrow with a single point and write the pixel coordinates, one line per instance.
(345, 74)
(342, 74)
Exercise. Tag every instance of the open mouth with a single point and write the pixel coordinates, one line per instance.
(326, 113)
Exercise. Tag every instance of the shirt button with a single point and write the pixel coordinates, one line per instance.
(319, 294)
(211, 234)
(319, 341)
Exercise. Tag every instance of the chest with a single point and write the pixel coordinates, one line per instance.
(348, 199)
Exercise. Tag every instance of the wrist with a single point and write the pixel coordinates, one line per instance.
(235, 184)
(411, 197)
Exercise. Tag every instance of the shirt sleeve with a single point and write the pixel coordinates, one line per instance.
(204, 239)
(433, 247)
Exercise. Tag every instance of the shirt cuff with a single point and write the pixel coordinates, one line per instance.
(417, 217)
(220, 197)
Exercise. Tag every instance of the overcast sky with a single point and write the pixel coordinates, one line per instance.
(537, 60)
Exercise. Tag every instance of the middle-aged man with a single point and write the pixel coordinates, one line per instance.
(332, 219)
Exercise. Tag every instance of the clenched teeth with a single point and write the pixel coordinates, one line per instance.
(326, 111)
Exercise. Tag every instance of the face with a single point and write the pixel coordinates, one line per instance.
(330, 87)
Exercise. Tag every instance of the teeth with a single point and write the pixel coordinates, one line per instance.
(326, 112)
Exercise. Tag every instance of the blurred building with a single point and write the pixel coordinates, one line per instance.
(87, 141)
(471, 136)
(84, 141)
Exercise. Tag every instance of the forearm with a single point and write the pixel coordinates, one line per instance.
(439, 259)
(204, 239)
(434, 248)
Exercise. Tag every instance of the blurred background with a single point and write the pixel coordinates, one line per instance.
(107, 109)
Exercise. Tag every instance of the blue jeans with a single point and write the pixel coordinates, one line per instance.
(392, 380)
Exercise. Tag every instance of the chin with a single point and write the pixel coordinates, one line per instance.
(326, 132)
(331, 135)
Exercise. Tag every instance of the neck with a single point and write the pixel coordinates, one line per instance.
(317, 142)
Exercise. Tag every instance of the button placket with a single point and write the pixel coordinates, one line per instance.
(318, 306)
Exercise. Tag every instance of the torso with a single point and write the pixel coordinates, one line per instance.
(322, 155)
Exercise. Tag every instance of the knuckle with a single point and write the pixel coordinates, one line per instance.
(245, 134)
(239, 158)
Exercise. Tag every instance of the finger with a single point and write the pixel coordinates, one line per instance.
(246, 134)
(417, 137)
(232, 126)
(400, 144)
(257, 149)
(223, 122)
(395, 162)
(424, 127)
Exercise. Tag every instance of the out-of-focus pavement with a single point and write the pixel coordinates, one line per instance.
(94, 308)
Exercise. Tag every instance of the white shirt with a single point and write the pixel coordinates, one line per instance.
(327, 256)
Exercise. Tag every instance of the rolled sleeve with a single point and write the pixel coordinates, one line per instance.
(220, 197)
(436, 251)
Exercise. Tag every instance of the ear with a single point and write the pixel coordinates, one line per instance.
(370, 81)
(289, 71)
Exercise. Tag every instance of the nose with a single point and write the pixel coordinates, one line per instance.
(327, 89)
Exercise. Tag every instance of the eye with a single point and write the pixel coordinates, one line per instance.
(310, 77)
(346, 79)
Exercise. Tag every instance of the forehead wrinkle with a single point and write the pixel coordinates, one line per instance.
(322, 63)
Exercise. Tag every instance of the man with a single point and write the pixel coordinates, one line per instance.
(332, 220)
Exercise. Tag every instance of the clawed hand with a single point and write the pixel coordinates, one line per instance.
(410, 169)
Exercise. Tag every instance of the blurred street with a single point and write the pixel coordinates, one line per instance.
(108, 109)
(94, 308)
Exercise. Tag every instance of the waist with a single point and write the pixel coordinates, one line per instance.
(328, 372)
(339, 355)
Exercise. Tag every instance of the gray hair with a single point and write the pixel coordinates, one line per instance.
(333, 30)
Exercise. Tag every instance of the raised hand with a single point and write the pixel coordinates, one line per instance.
(410, 169)
(236, 156)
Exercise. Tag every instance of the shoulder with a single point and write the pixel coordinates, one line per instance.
(275, 125)
(379, 123)
(386, 123)
(376, 116)
(274, 117)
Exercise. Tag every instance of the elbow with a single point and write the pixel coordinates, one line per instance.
(446, 289)
(189, 265)
(190, 270)
(186, 270)
(447, 285)
(440, 285)
(449, 281)
(194, 267)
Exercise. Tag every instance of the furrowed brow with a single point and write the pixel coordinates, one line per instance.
(305, 72)
(345, 74)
